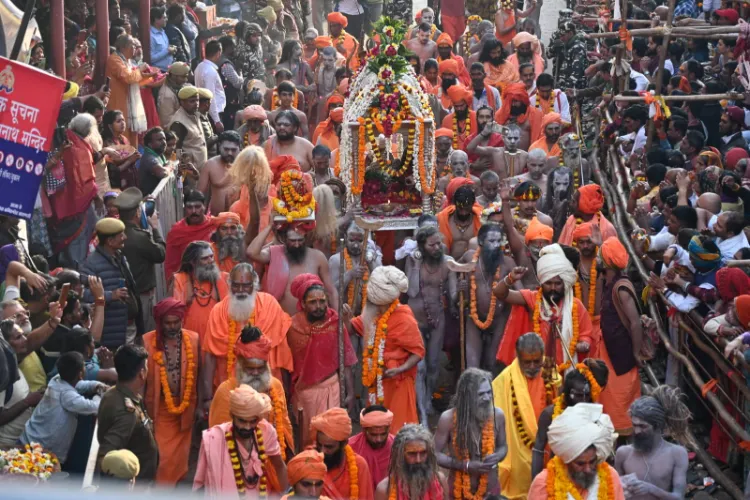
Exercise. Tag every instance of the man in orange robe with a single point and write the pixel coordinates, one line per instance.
(403, 346)
(551, 127)
(445, 53)
(517, 109)
(252, 351)
(314, 330)
(227, 242)
(306, 472)
(375, 441)
(196, 226)
(348, 475)
(343, 42)
(327, 132)
(200, 284)
(172, 407)
(527, 53)
(463, 120)
(586, 204)
(461, 211)
(244, 305)
(448, 73)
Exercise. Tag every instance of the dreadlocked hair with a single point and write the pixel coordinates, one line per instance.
(400, 474)
(250, 334)
(469, 421)
(664, 408)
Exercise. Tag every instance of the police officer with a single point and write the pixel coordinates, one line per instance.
(123, 421)
(574, 60)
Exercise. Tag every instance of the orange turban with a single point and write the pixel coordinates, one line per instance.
(454, 184)
(458, 93)
(321, 42)
(582, 231)
(742, 304)
(254, 112)
(512, 92)
(308, 464)
(449, 66)
(245, 402)
(259, 348)
(538, 231)
(226, 218)
(281, 164)
(334, 99)
(614, 254)
(443, 132)
(375, 419)
(168, 307)
(590, 199)
(551, 118)
(338, 18)
(301, 284)
(334, 423)
(444, 39)
(337, 115)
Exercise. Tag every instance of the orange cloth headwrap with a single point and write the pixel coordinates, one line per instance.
(321, 42)
(375, 419)
(281, 164)
(246, 402)
(308, 464)
(458, 93)
(226, 218)
(685, 85)
(582, 231)
(512, 92)
(443, 132)
(590, 199)
(301, 284)
(444, 39)
(538, 231)
(338, 18)
(454, 184)
(257, 349)
(614, 253)
(337, 115)
(448, 66)
(334, 99)
(551, 118)
(334, 423)
(742, 304)
(168, 307)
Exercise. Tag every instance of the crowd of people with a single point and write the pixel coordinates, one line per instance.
(496, 351)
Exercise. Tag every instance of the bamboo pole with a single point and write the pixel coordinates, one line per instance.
(632, 22)
(624, 79)
(678, 31)
(738, 263)
(660, 70)
(732, 96)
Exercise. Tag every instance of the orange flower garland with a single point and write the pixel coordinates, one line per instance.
(482, 325)
(559, 485)
(278, 419)
(293, 205)
(351, 463)
(350, 288)
(234, 456)
(276, 100)
(372, 362)
(427, 187)
(466, 132)
(232, 339)
(551, 102)
(559, 406)
(592, 288)
(596, 389)
(189, 380)
(359, 182)
(462, 480)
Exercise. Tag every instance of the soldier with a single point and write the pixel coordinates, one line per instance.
(123, 420)
(573, 61)
(555, 49)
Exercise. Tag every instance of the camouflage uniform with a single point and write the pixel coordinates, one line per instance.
(554, 49)
(573, 64)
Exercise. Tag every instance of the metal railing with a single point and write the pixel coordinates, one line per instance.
(168, 196)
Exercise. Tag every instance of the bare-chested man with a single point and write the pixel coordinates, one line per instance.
(288, 260)
(489, 185)
(286, 92)
(428, 278)
(286, 142)
(535, 164)
(485, 326)
(443, 150)
(507, 161)
(422, 46)
(215, 181)
(559, 189)
(459, 164)
(526, 196)
(570, 145)
(460, 221)
(473, 405)
(659, 467)
(325, 79)
(517, 110)
(428, 18)
(355, 245)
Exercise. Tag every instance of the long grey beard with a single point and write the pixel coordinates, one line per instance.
(240, 309)
(261, 383)
(233, 247)
(208, 272)
(417, 480)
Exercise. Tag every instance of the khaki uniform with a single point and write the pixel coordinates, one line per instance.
(195, 141)
(168, 104)
(125, 424)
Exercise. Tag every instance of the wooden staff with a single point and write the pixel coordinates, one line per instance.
(679, 31)
(369, 227)
(738, 263)
(298, 445)
(732, 96)
(660, 70)
(463, 269)
(342, 301)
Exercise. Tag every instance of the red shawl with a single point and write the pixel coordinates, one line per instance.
(80, 179)
(179, 237)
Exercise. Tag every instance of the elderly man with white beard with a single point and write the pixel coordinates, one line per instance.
(582, 438)
(252, 351)
(245, 305)
(228, 241)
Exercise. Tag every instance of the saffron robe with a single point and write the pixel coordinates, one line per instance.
(337, 483)
(461, 139)
(541, 143)
(198, 310)
(179, 237)
(538, 489)
(377, 460)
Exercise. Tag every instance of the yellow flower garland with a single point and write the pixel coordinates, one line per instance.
(232, 340)
(351, 463)
(550, 105)
(467, 128)
(234, 456)
(596, 389)
(559, 485)
(278, 419)
(462, 480)
(350, 288)
(293, 205)
(592, 288)
(189, 379)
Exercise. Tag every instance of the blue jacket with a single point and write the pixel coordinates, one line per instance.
(160, 56)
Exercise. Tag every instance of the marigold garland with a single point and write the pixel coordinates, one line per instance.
(278, 418)
(372, 359)
(482, 325)
(559, 484)
(189, 379)
(462, 480)
(550, 103)
(293, 205)
(350, 288)
(596, 389)
(427, 187)
(232, 340)
(351, 463)
(465, 133)
(592, 287)
(276, 100)
(559, 406)
(359, 182)
(234, 456)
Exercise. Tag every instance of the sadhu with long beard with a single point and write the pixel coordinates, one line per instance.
(413, 473)
(228, 241)
(470, 437)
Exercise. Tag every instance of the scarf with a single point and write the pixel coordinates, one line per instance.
(136, 112)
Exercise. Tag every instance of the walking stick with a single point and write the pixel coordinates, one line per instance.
(457, 267)
(342, 270)
(300, 432)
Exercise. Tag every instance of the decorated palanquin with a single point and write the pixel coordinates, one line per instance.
(387, 146)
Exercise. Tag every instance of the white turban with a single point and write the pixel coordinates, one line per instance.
(580, 427)
(386, 284)
(552, 263)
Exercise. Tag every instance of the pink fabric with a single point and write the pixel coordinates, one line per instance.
(377, 460)
(214, 472)
(276, 276)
